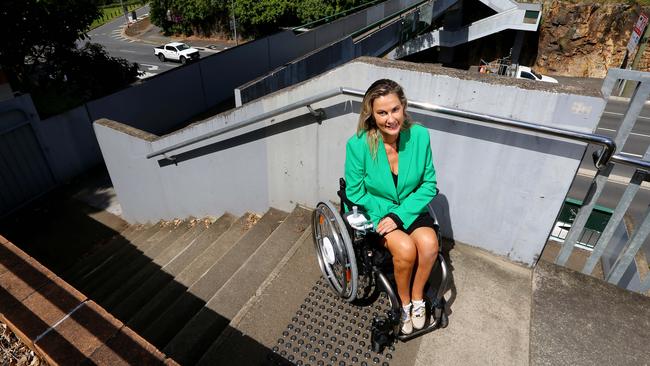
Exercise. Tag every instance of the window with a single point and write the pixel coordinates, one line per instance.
(527, 75)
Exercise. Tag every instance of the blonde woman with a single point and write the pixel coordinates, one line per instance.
(389, 172)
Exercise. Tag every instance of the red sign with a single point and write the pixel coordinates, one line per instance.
(637, 32)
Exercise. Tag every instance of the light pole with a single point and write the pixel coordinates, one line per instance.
(126, 16)
(234, 21)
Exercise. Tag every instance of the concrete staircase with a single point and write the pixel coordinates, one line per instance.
(510, 15)
(180, 284)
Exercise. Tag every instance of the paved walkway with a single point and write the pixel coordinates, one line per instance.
(490, 313)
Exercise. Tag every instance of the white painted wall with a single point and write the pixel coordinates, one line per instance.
(503, 188)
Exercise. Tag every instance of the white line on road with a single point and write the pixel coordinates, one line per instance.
(621, 114)
(631, 133)
(127, 51)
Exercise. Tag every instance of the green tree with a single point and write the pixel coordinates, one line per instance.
(255, 18)
(190, 16)
(39, 53)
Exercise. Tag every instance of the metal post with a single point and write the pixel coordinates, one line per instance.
(616, 218)
(234, 21)
(126, 12)
(640, 95)
(613, 223)
(579, 222)
(624, 260)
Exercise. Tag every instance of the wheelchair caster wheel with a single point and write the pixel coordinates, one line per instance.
(334, 250)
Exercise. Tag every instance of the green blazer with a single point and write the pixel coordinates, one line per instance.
(370, 182)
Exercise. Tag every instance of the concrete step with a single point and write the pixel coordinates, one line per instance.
(254, 331)
(101, 253)
(280, 316)
(163, 329)
(109, 256)
(122, 272)
(116, 262)
(112, 298)
(148, 289)
(204, 328)
(155, 306)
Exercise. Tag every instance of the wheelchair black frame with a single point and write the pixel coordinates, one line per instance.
(365, 251)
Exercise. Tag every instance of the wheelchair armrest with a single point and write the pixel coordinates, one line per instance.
(360, 222)
(432, 213)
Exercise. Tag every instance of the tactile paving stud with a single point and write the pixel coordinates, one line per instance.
(326, 330)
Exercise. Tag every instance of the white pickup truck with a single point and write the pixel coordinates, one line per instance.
(176, 51)
(525, 72)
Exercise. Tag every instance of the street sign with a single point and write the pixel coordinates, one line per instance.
(637, 32)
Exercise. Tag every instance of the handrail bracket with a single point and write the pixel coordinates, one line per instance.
(319, 113)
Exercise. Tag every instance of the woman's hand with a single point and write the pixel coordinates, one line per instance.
(386, 225)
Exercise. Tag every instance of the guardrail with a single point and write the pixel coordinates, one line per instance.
(624, 256)
(609, 147)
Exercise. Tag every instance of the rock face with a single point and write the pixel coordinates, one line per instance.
(585, 39)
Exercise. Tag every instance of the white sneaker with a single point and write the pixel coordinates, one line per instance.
(419, 314)
(407, 324)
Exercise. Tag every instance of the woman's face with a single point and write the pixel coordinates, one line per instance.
(388, 112)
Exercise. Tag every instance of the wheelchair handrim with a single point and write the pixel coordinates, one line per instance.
(342, 274)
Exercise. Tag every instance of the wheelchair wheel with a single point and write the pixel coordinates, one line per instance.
(334, 251)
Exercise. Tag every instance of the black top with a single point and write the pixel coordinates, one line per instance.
(394, 178)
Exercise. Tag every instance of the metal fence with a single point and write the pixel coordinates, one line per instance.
(24, 170)
(624, 258)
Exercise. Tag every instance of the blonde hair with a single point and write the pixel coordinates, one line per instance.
(367, 122)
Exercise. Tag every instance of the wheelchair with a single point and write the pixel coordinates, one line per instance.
(358, 268)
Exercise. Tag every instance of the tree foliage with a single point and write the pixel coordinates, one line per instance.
(254, 17)
(42, 52)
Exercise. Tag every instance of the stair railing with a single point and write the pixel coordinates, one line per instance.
(601, 160)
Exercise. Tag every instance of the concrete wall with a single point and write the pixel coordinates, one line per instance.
(70, 143)
(500, 190)
(327, 57)
(37, 155)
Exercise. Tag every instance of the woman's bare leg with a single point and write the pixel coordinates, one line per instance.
(426, 242)
(404, 252)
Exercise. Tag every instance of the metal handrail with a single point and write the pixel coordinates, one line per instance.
(287, 108)
(632, 161)
(609, 147)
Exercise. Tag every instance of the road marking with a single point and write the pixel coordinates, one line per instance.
(128, 51)
(631, 133)
(616, 179)
(151, 67)
(621, 114)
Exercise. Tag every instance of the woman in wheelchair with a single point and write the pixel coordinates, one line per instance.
(389, 172)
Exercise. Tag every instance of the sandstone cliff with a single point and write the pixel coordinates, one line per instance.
(585, 39)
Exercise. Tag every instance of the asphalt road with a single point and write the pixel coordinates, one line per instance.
(109, 35)
(140, 51)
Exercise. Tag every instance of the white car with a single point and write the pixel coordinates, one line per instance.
(525, 72)
(176, 51)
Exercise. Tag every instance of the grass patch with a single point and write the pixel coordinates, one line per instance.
(113, 11)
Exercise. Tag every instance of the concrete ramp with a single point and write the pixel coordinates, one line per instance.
(524, 17)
